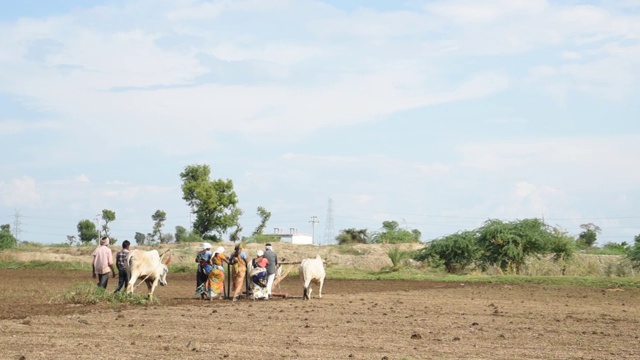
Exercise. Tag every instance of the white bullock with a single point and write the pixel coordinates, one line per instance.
(312, 270)
(146, 265)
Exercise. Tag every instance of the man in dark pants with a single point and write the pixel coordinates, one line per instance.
(103, 263)
(270, 255)
(121, 264)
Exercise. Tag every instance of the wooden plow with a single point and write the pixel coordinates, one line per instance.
(282, 271)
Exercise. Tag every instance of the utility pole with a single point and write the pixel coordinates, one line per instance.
(313, 221)
(16, 224)
(328, 225)
(97, 218)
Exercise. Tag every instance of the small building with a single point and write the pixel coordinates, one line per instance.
(292, 237)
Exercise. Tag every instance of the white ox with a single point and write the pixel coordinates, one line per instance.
(312, 270)
(146, 265)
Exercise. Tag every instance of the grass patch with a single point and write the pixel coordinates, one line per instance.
(350, 249)
(44, 265)
(182, 268)
(422, 274)
(87, 293)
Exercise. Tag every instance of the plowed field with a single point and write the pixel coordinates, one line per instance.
(353, 320)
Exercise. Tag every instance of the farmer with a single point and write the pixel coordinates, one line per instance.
(103, 263)
(215, 281)
(121, 264)
(238, 262)
(258, 276)
(272, 259)
(203, 258)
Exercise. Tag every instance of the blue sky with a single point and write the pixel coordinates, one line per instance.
(436, 114)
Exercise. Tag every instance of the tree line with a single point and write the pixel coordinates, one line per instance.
(214, 203)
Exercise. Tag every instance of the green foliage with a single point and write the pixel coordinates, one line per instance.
(159, 217)
(7, 240)
(44, 265)
(349, 249)
(261, 239)
(264, 217)
(589, 235)
(182, 268)
(391, 233)
(561, 245)
(398, 257)
(353, 236)
(507, 244)
(213, 202)
(181, 233)
(87, 293)
(455, 252)
(87, 231)
(633, 253)
(190, 237)
(108, 216)
(140, 238)
(612, 248)
(166, 238)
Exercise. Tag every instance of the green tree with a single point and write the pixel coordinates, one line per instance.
(633, 253)
(264, 217)
(455, 252)
(392, 233)
(589, 235)
(166, 238)
(235, 234)
(181, 233)
(71, 239)
(140, 238)
(159, 217)
(87, 231)
(352, 236)
(213, 202)
(7, 240)
(507, 244)
(108, 216)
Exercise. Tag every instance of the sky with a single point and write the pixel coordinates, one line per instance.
(439, 115)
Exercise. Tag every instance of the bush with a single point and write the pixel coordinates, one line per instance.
(7, 240)
(455, 252)
(261, 239)
(87, 293)
(398, 257)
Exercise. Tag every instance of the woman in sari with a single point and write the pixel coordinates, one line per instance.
(203, 258)
(238, 262)
(258, 276)
(215, 282)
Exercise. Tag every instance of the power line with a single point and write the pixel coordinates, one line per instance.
(16, 224)
(328, 226)
(313, 221)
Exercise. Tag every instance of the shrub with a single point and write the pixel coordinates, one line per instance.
(87, 293)
(455, 252)
(398, 257)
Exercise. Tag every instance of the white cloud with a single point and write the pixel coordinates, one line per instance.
(20, 192)
(601, 160)
(13, 126)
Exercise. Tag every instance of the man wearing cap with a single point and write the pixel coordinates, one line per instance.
(103, 263)
(272, 257)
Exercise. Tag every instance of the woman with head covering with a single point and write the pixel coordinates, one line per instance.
(258, 276)
(238, 262)
(203, 258)
(215, 282)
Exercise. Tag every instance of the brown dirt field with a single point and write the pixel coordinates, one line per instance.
(353, 320)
